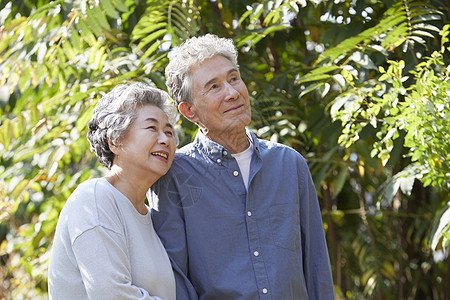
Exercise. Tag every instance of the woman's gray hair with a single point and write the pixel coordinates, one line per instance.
(115, 112)
(192, 52)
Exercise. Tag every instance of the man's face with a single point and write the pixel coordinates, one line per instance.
(221, 103)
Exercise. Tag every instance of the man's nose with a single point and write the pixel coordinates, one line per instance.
(231, 92)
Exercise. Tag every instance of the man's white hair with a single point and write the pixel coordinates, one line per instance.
(190, 53)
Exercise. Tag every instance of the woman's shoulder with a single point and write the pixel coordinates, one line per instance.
(90, 204)
(91, 189)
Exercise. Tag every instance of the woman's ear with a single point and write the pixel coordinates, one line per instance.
(114, 149)
(186, 109)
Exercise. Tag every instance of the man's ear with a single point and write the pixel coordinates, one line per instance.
(186, 110)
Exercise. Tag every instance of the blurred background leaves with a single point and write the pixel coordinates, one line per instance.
(360, 88)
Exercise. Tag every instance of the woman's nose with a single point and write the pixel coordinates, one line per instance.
(163, 139)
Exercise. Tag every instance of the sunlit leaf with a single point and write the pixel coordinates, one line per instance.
(109, 8)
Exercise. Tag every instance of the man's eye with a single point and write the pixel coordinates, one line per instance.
(169, 133)
(152, 128)
(213, 86)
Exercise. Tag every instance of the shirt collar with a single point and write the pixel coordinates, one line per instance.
(215, 151)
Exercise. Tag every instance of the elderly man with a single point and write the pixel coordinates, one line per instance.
(238, 216)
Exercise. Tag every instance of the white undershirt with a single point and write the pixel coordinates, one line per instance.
(243, 159)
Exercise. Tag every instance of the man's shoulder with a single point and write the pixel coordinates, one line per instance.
(186, 158)
(275, 148)
(185, 152)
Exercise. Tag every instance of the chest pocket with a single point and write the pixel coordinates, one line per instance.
(285, 223)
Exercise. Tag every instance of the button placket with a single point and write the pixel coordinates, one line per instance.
(254, 239)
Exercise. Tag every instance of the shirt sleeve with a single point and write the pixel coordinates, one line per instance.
(316, 262)
(104, 265)
(168, 221)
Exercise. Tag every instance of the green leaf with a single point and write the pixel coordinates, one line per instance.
(363, 60)
(143, 31)
(151, 39)
(45, 230)
(440, 223)
(109, 8)
(85, 33)
(83, 120)
(120, 5)
(92, 23)
(54, 159)
(100, 17)
(151, 49)
(312, 77)
(69, 51)
(6, 134)
(18, 126)
(24, 81)
(244, 16)
(19, 188)
(310, 88)
(27, 153)
(75, 39)
(342, 177)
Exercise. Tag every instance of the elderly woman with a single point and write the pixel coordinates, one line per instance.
(105, 246)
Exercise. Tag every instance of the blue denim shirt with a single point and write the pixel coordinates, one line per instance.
(229, 243)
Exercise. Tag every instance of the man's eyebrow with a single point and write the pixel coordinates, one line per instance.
(213, 79)
(150, 119)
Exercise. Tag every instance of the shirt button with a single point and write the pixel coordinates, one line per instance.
(264, 291)
(225, 153)
(219, 160)
(249, 213)
(256, 253)
(235, 173)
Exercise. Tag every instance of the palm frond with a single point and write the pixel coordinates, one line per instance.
(407, 22)
(164, 22)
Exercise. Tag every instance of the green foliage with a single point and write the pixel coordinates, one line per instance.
(400, 113)
(419, 112)
(360, 88)
(56, 63)
(420, 109)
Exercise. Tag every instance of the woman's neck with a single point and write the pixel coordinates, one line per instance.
(133, 187)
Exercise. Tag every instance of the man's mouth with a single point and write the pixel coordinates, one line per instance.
(233, 109)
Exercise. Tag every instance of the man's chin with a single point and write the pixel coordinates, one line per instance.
(237, 125)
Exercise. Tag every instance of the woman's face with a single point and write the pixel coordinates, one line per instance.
(148, 145)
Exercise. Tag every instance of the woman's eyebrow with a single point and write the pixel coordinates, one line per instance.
(150, 119)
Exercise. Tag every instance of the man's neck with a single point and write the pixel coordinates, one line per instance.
(234, 142)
